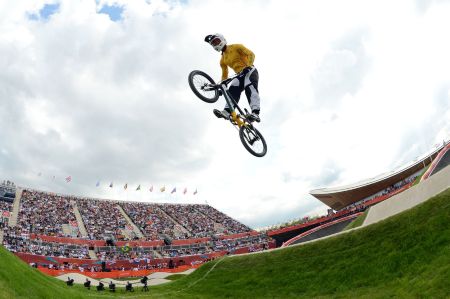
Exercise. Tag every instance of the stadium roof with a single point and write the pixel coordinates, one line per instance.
(340, 197)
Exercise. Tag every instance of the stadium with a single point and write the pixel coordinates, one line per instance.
(389, 236)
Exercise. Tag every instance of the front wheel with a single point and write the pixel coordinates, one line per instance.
(253, 141)
(200, 83)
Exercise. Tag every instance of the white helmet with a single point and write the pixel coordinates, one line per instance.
(217, 41)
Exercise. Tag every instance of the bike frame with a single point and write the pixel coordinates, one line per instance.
(236, 118)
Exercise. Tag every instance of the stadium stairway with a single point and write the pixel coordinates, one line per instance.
(66, 230)
(1, 236)
(179, 226)
(136, 230)
(80, 222)
(218, 227)
(16, 208)
(92, 255)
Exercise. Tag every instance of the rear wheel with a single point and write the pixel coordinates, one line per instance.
(253, 141)
(200, 83)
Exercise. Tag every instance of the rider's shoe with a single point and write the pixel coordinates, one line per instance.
(253, 117)
(222, 114)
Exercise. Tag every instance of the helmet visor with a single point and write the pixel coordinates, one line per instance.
(215, 41)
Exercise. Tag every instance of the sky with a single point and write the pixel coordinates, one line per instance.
(98, 90)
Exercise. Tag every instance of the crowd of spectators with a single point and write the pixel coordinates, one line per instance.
(175, 251)
(5, 206)
(360, 205)
(44, 213)
(254, 243)
(230, 225)
(101, 218)
(98, 268)
(115, 253)
(150, 219)
(198, 224)
(15, 241)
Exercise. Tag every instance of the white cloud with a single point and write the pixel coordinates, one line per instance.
(349, 89)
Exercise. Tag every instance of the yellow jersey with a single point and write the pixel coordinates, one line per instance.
(236, 57)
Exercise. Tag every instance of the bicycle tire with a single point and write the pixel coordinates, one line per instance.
(252, 132)
(198, 80)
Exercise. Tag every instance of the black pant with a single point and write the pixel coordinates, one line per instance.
(247, 81)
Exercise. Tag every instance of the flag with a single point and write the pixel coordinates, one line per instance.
(138, 188)
(125, 187)
(185, 190)
(195, 192)
(98, 184)
(163, 189)
(151, 188)
(111, 185)
(174, 190)
(68, 179)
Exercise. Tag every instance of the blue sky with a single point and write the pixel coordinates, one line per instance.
(113, 11)
(45, 12)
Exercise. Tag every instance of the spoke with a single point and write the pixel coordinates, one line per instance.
(254, 141)
(200, 83)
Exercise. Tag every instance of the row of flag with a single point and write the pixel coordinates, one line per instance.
(68, 179)
(162, 189)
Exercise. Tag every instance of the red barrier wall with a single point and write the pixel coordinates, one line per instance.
(290, 241)
(237, 236)
(190, 241)
(66, 240)
(155, 243)
(115, 273)
(183, 260)
(435, 162)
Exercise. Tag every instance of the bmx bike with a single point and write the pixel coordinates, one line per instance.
(208, 91)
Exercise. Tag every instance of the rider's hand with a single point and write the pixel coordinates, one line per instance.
(246, 70)
(220, 92)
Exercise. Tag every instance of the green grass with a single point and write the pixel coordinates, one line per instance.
(405, 256)
(357, 222)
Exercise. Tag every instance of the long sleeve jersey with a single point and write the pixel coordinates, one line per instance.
(236, 57)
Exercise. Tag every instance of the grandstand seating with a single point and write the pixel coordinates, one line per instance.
(101, 218)
(5, 211)
(22, 243)
(44, 213)
(5, 206)
(150, 219)
(195, 233)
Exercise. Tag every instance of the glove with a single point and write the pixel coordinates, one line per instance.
(220, 92)
(246, 70)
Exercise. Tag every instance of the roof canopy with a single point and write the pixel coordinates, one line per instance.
(340, 197)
